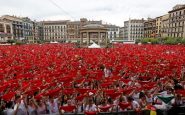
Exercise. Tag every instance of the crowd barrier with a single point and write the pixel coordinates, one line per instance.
(173, 111)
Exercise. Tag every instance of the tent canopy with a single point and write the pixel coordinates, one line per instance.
(94, 45)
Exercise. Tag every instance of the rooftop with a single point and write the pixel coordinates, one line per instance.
(93, 26)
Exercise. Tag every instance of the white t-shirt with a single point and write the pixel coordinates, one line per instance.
(21, 109)
(9, 112)
(91, 108)
(31, 110)
(136, 97)
(135, 104)
(53, 107)
(41, 109)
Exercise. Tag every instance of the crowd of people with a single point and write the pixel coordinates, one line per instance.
(58, 79)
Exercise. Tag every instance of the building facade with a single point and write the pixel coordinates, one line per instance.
(28, 30)
(150, 28)
(55, 30)
(17, 25)
(73, 30)
(133, 29)
(38, 31)
(22, 28)
(164, 26)
(158, 26)
(177, 21)
(6, 31)
(121, 33)
(112, 31)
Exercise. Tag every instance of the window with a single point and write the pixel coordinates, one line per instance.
(1, 28)
(8, 29)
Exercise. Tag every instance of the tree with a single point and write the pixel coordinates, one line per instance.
(154, 40)
(138, 41)
(11, 41)
(171, 41)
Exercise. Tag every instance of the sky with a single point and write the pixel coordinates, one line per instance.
(109, 11)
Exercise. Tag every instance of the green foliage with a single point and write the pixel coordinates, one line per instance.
(166, 40)
(138, 41)
(144, 40)
(171, 41)
(148, 40)
(11, 41)
(154, 40)
(19, 43)
(183, 41)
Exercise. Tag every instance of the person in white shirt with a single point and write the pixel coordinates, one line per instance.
(9, 109)
(135, 95)
(32, 107)
(134, 104)
(90, 107)
(41, 106)
(53, 106)
(20, 106)
(107, 72)
(104, 103)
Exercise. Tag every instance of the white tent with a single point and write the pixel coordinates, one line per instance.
(94, 45)
(55, 42)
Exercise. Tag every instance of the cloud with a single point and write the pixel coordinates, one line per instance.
(111, 11)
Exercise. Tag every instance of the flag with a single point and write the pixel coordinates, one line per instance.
(166, 99)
